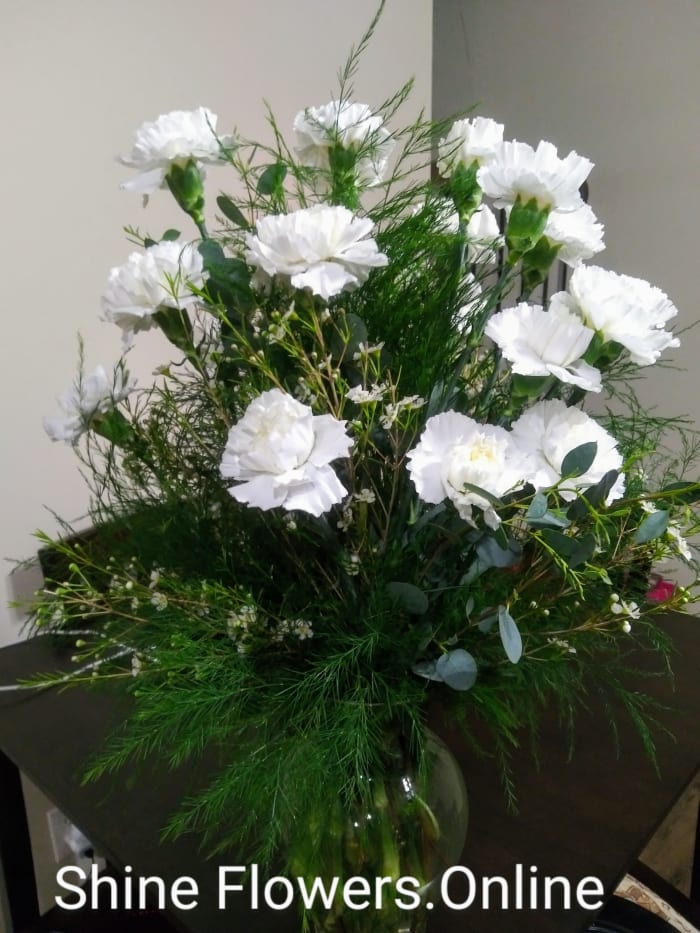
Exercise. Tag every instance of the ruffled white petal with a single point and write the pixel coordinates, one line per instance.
(519, 171)
(549, 430)
(542, 343)
(323, 248)
(280, 451)
(625, 310)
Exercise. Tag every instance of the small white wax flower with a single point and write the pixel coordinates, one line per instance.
(454, 450)
(280, 453)
(324, 248)
(545, 343)
(92, 395)
(469, 141)
(519, 171)
(350, 126)
(680, 543)
(174, 137)
(578, 234)
(362, 396)
(624, 310)
(548, 430)
(161, 276)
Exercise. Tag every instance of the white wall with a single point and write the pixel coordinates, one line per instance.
(78, 77)
(616, 80)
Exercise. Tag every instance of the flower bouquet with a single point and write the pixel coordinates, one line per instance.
(363, 480)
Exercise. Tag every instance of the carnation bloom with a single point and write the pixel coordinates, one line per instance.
(545, 343)
(280, 453)
(469, 141)
(519, 171)
(454, 450)
(174, 137)
(548, 431)
(324, 248)
(661, 591)
(350, 126)
(578, 234)
(624, 310)
(483, 236)
(92, 395)
(160, 277)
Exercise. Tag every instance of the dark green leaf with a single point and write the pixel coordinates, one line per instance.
(510, 636)
(594, 496)
(469, 487)
(652, 527)
(574, 551)
(684, 492)
(272, 178)
(409, 597)
(231, 212)
(350, 332)
(579, 460)
(457, 669)
(170, 234)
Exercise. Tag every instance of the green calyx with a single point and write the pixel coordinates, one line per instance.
(525, 227)
(185, 184)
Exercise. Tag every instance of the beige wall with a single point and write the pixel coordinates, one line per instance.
(78, 77)
(616, 80)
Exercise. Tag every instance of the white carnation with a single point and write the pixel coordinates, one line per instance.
(519, 171)
(160, 277)
(483, 237)
(91, 396)
(548, 431)
(280, 452)
(174, 137)
(455, 450)
(324, 248)
(545, 343)
(624, 310)
(578, 234)
(469, 141)
(350, 126)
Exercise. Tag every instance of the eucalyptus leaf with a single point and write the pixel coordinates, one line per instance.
(579, 460)
(488, 623)
(550, 520)
(409, 597)
(652, 527)
(232, 212)
(470, 487)
(537, 508)
(593, 496)
(683, 492)
(272, 178)
(457, 669)
(427, 669)
(510, 635)
(491, 554)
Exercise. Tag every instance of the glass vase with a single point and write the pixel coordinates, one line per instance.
(389, 851)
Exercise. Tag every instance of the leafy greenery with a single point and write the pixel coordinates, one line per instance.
(290, 644)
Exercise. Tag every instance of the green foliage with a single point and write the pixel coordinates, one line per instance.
(285, 645)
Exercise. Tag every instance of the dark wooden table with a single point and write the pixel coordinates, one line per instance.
(588, 816)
